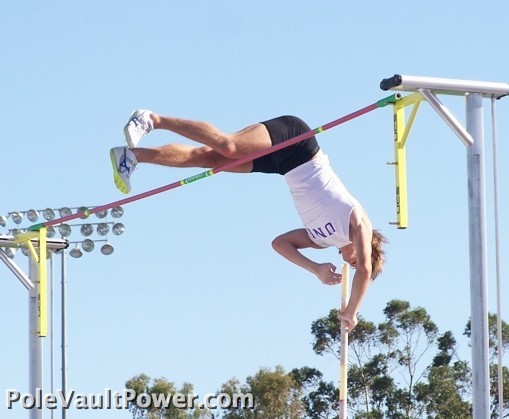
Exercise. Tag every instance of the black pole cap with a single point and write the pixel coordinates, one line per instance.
(391, 82)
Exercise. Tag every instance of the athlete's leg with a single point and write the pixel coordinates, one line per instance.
(232, 146)
(182, 155)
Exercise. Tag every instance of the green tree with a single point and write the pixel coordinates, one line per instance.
(232, 387)
(416, 334)
(276, 395)
(402, 368)
(494, 346)
(392, 372)
(161, 389)
(445, 393)
(321, 399)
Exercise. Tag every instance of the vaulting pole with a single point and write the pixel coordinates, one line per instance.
(343, 350)
(84, 214)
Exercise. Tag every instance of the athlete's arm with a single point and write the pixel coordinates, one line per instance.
(361, 230)
(288, 245)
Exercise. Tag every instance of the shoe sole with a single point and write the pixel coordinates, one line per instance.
(119, 183)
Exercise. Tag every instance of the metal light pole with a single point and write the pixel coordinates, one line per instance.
(34, 341)
(31, 283)
(478, 258)
(63, 326)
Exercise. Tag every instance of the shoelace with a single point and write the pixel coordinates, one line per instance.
(141, 124)
(124, 166)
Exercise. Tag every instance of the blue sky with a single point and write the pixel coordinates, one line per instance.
(194, 291)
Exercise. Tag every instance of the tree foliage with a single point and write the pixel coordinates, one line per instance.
(276, 394)
(400, 368)
(160, 388)
(494, 344)
(392, 371)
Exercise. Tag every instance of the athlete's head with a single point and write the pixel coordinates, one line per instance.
(349, 254)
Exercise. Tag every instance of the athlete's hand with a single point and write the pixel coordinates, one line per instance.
(351, 321)
(326, 272)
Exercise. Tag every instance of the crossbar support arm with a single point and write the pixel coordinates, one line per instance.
(448, 117)
(15, 269)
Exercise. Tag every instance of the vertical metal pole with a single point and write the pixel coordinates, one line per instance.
(35, 341)
(500, 346)
(52, 332)
(64, 333)
(477, 246)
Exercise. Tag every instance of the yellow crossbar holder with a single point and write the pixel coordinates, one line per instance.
(39, 256)
(401, 131)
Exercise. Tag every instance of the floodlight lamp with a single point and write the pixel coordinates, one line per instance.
(85, 211)
(118, 229)
(117, 212)
(76, 252)
(32, 215)
(107, 249)
(17, 217)
(25, 251)
(48, 214)
(87, 229)
(50, 232)
(101, 214)
(88, 245)
(103, 229)
(3, 220)
(10, 252)
(64, 212)
(65, 230)
(15, 231)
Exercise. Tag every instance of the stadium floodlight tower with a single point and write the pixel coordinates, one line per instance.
(473, 138)
(38, 245)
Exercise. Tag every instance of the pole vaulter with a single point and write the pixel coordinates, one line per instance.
(37, 232)
(87, 212)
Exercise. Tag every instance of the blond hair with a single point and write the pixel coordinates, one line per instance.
(377, 253)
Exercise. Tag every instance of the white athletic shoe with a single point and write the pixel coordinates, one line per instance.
(139, 124)
(124, 162)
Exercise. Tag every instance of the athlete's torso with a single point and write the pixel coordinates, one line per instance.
(322, 201)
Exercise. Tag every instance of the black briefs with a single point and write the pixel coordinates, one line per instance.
(282, 161)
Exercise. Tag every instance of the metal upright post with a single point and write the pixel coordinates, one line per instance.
(52, 333)
(35, 341)
(478, 270)
(473, 138)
